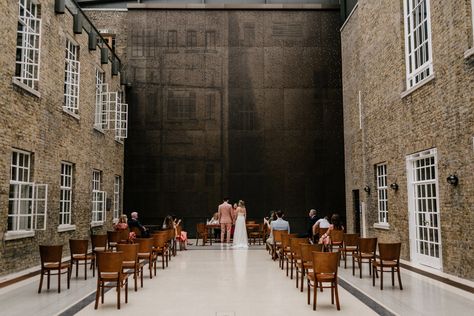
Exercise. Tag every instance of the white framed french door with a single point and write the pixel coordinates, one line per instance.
(423, 209)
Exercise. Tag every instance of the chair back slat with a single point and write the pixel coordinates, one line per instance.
(78, 246)
(308, 249)
(160, 239)
(295, 244)
(124, 234)
(367, 245)
(113, 236)
(144, 244)
(130, 251)
(50, 253)
(278, 235)
(325, 262)
(285, 239)
(390, 251)
(337, 235)
(322, 231)
(99, 241)
(110, 262)
(350, 240)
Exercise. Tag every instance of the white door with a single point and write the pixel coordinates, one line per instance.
(423, 206)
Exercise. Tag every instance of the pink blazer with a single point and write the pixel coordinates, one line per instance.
(225, 213)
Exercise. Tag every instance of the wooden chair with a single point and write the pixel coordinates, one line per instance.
(145, 252)
(79, 249)
(255, 233)
(337, 239)
(124, 235)
(201, 232)
(277, 238)
(110, 275)
(349, 246)
(389, 257)
(306, 263)
(324, 271)
(285, 251)
(113, 238)
(51, 260)
(295, 254)
(131, 264)
(366, 248)
(160, 248)
(171, 243)
(99, 242)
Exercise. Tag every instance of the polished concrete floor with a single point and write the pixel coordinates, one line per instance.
(219, 281)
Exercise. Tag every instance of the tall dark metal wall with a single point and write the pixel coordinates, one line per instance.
(240, 103)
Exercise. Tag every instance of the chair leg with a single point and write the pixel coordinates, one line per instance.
(118, 292)
(141, 276)
(126, 290)
(297, 277)
(399, 278)
(97, 294)
(315, 294)
(302, 278)
(69, 270)
(373, 275)
(59, 279)
(77, 267)
(332, 293)
(48, 281)
(41, 281)
(85, 268)
(381, 276)
(393, 279)
(360, 267)
(337, 296)
(309, 290)
(353, 265)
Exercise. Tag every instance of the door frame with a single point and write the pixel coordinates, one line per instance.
(415, 257)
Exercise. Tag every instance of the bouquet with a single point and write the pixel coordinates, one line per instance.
(131, 237)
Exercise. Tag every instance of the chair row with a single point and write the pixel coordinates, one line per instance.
(133, 257)
(319, 264)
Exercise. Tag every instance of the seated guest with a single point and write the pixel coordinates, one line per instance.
(215, 221)
(320, 223)
(278, 224)
(134, 222)
(122, 223)
(336, 224)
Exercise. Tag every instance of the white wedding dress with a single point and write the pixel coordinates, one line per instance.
(240, 233)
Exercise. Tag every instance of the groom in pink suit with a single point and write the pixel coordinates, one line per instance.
(225, 219)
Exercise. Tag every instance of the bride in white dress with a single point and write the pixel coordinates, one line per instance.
(240, 232)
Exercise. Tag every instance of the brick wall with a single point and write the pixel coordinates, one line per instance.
(437, 115)
(39, 125)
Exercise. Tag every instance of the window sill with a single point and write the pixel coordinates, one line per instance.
(384, 226)
(66, 228)
(10, 235)
(99, 130)
(97, 224)
(418, 85)
(74, 115)
(469, 53)
(23, 86)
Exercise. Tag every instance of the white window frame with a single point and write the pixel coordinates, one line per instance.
(382, 191)
(418, 56)
(117, 197)
(121, 119)
(28, 201)
(98, 199)
(72, 75)
(28, 45)
(65, 195)
(101, 117)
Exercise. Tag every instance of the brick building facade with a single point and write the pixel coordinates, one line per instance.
(408, 70)
(62, 126)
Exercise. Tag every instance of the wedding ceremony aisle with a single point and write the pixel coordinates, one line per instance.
(219, 281)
